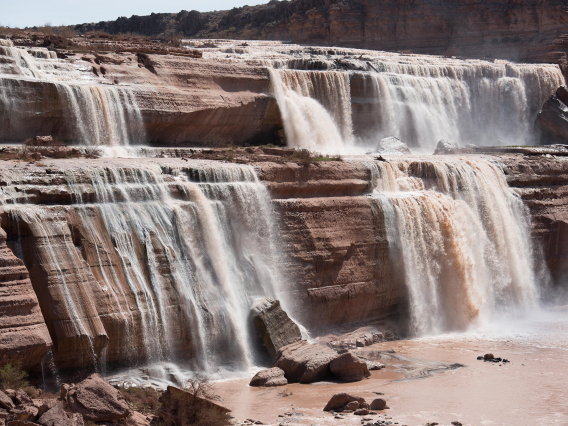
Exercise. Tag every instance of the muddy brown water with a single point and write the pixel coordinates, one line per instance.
(423, 384)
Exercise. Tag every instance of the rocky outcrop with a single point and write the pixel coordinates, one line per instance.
(393, 146)
(524, 31)
(23, 334)
(305, 362)
(349, 368)
(96, 400)
(340, 400)
(541, 178)
(267, 378)
(552, 119)
(180, 408)
(274, 325)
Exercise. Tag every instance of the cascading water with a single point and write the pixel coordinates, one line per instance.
(468, 101)
(96, 113)
(464, 238)
(315, 108)
(173, 266)
(419, 99)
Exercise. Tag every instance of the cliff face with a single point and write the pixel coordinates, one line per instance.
(542, 182)
(23, 334)
(109, 289)
(123, 96)
(523, 31)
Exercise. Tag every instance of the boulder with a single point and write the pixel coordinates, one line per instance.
(22, 397)
(20, 423)
(446, 146)
(275, 326)
(138, 419)
(271, 377)
(5, 401)
(393, 146)
(488, 356)
(378, 404)
(339, 400)
(353, 405)
(96, 400)
(304, 362)
(181, 407)
(44, 405)
(23, 412)
(56, 416)
(349, 368)
(361, 412)
(373, 365)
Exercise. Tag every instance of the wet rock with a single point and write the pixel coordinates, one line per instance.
(339, 400)
(352, 406)
(373, 365)
(96, 400)
(378, 404)
(488, 356)
(305, 362)
(552, 120)
(5, 401)
(446, 146)
(456, 423)
(393, 146)
(274, 324)
(271, 377)
(349, 368)
(505, 360)
(480, 357)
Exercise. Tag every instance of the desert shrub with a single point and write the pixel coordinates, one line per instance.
(306, 156)
(197, 411)
(13, 377)
(141, 399)
(32, 392)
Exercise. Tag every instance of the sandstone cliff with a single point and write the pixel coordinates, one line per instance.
(524, 31)
(23, 334)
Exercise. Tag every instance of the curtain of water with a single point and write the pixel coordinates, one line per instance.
(420, 100)
(464, 238)
(177, 264)
(96, 114)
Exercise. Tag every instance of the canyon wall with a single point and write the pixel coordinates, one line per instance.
(527, 31)
(111, 247)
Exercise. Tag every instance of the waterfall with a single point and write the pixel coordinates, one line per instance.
(154, 270)
(315, 108)
(468, 101)
(464, 238)
(418, 99)
(95, 112)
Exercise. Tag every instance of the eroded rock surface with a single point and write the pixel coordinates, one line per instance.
(274, 325)
(24, 336)
(305, 362)
(96, 400)
(271, 377)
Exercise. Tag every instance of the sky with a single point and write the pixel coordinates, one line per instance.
(29, 13)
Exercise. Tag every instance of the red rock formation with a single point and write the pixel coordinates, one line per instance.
(23, 334)
(524, 31)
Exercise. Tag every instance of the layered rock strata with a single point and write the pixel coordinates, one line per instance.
(524, 31)
(334, 251)
(24, 336)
